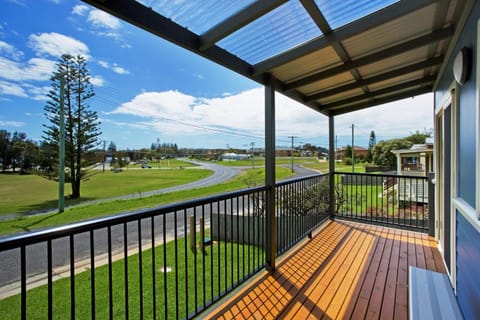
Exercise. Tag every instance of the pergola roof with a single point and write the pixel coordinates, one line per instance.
(334, 56)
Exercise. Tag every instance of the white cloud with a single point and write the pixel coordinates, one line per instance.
(55, 44)
(14, 124)
(136, 125)
(173, 113)
(114, 67)
(12, 89)
(18, 2)
(395, 119)
(38, 93)
(97, 81)
(10, 51)
(79, 10)
(120, 70)
(101, 19)
(36, 69)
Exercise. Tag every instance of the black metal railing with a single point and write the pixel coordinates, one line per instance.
(168, 262)
(393, 200)
(301, 206)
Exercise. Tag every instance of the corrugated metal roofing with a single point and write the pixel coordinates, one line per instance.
(333, 56)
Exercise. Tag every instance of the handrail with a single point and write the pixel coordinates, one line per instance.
(17, 240)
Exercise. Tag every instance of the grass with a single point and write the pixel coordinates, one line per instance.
(211, 269)
(165, 163)
(339, 167)
(260, 161)
(81, 213)
(25, 193)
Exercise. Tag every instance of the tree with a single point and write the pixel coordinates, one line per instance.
(17, 147)
(382, 152)
(112, 147)
(371, 143)
(82, 128)
(418, 137)
(5, 148)
(348, 151)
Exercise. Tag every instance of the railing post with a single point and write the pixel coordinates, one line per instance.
(431, 204)
(270, 176)
(331, 166)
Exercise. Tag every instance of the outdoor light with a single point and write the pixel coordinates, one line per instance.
(462, 65)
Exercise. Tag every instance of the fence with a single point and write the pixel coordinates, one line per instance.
(167, 262)
(393, 200)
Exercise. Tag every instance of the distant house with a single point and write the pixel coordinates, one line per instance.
(416, 161)
(229, 156)
(359, 151)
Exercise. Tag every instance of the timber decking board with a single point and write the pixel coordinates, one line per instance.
(347, 271)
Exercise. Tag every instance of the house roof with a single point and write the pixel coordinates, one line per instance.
(416, 149)
(333, 56)
(357, 148)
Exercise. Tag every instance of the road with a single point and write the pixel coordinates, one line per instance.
(36, 260)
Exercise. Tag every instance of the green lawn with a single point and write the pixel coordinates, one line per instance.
(25, 193)
(80, 213)
(260, 161)
(339, 167)
(165, 163)
(211, 268)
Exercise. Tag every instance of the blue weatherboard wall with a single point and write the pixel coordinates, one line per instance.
(468, 268)
(467, 236)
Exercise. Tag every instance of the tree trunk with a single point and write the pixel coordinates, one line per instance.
(76, 188)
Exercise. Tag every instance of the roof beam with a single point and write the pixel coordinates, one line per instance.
(381, 77)
(323, 25)
(145, 18)
(379, 101)
(373, 94)
(316, 16)
(377, 56)
(237, 21)
(371, 21)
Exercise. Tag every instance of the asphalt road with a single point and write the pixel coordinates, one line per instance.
(36, 257)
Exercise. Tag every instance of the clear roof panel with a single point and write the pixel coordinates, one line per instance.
(340, 13)
(195, 15)
(281, 29)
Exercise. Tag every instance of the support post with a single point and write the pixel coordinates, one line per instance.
(353, 147)
(270, 176)
(61, 146)
(431, 204)
(331, 166)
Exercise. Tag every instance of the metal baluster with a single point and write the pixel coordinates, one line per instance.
(92, 273)
(72, 278)
(140, 265)
(50, 280)
(125, 268)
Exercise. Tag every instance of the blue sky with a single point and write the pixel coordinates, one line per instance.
(147, 88)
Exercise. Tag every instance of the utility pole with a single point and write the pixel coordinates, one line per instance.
(104, 154)
(336, 147)
(291, 151)
(253, 155)
(61, 153)
(353, 148)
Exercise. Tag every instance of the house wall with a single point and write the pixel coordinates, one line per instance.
(467, 239)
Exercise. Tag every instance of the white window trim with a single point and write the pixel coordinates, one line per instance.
(477, 200)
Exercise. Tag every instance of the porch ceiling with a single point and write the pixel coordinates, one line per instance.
(333, 56)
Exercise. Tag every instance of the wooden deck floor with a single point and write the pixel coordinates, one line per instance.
(347, 271)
